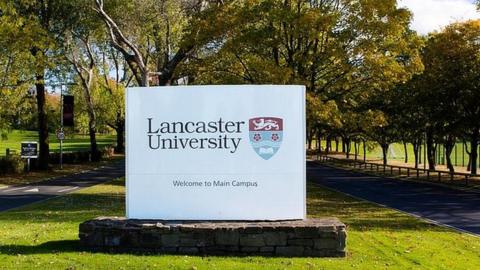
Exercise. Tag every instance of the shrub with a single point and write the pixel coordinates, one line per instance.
(79, 156)
(11, 164)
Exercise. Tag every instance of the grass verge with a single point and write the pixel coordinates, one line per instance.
(44, 235)
(458, 182)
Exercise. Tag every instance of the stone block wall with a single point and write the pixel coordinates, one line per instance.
(301, 238)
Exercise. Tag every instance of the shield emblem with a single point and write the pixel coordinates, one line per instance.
(266, 135)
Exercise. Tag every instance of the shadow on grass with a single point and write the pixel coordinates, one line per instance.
(50, 247)
(69, 246)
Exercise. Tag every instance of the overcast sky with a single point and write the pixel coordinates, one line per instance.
(431, 15)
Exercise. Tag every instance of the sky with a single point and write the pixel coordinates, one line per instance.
(431, 15)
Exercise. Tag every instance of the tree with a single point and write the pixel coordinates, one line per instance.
(410, 117)
(451, 88)
(322, 44)
(43, 23)
(83, 61)
(107, 101)
(14, 55)
(156, 36)
(321, 117)
(112, 101)
(82, 52)
(129, 50)
(342, 51)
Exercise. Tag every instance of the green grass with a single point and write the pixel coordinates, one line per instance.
(44, 236)
(71, 143)
(396, 152)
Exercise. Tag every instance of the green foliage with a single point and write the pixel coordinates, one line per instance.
(108, 99)
(449, 89)
(325, 45)
(452, 60)
(359, 60)
(345, 52)
(111, 102)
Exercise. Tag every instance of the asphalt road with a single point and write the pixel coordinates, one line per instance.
(16, 196)
(443, 205)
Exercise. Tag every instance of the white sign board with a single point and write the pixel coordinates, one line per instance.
(216, 152)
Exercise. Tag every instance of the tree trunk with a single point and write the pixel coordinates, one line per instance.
(474, 151)
(344, 147)
(92, 123)
(319, 140)
(347, 146)
(384, 152)
(355, 145)
(364, 151)
(329, 145)
(120, 129)
(336, 144)
(449, 145)
(309, 139)
(469, 153)
(406, 151)
(430, 151)
(145, 81)
(44, 150)
(416, 151)
(93, 139)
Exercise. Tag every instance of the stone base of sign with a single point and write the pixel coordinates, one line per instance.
(300, 238)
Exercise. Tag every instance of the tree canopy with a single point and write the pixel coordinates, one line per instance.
(368, 76)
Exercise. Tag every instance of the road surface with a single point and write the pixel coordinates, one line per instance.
(443, 205)
(16, 196)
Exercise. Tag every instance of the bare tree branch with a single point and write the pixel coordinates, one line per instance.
(135, 59)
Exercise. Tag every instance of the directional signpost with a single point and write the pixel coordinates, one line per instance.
(61, 137)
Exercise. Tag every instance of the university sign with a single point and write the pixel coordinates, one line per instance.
(216, 153)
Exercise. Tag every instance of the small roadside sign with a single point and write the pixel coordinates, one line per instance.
(29, 150)
(60, 135)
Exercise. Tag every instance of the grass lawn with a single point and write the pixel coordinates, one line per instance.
(71, 143)
(396, 152)
(44, 236)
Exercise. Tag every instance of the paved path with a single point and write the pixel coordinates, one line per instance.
(16, 196)
(451, 207)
